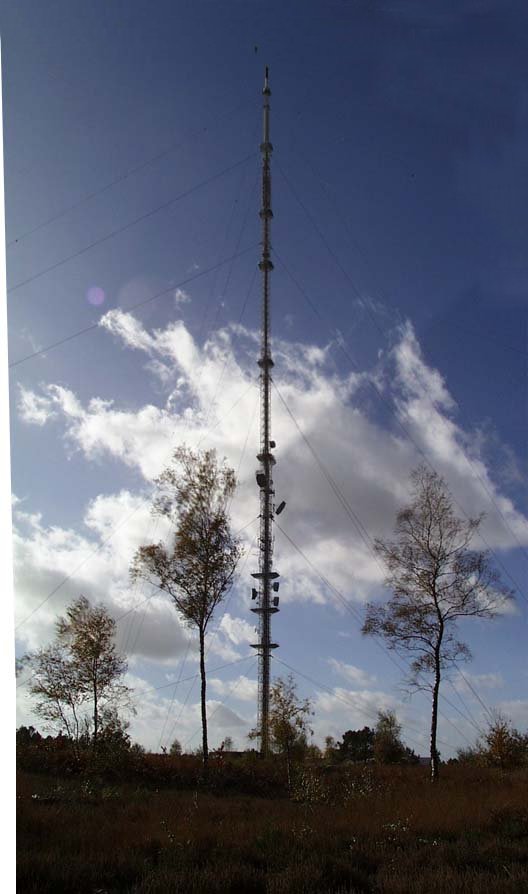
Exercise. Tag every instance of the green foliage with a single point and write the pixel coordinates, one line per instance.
(175, 750)
(382, 744)
(505, 746)
(436, 580)
(356, 745)
(197, 569)
(27, 735)
(313, 753)
(308, 787)
(76, 681)
(388, 747)
(502, 746)
(330, 748)
(288, 720)
(114, 737)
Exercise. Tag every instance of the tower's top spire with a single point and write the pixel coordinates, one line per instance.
(266, 90)
(265, 147)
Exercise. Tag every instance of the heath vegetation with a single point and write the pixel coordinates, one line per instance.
(98, 814)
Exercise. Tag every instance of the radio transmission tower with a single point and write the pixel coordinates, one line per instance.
(266, 605)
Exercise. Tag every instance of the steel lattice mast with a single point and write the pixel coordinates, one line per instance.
(266, 606)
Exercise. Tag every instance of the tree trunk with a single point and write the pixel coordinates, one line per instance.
(434, 719)
(74, 738)
(288, 767)
(95, 716)
(203, 700)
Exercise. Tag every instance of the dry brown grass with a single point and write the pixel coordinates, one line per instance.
(357, 831)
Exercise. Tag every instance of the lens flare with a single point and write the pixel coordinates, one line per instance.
(95, 295)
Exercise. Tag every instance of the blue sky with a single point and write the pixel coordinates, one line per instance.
(399, 315)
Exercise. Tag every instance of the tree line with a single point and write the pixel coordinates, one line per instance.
(435, 576)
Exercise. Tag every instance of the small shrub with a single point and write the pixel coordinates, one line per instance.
(308, 787)
(510, 822)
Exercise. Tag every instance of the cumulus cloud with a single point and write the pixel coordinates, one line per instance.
(34, 408)
(129, 329)
(227, 719)
(416, 379)
(368, 460)
(342, 469)
(352, 673)
(61, 563)
(242, 688)
(237, 630)
(174, 342)
(170, 714)
(425, 408)
(354, 707)
(53, 565)
(49, 557)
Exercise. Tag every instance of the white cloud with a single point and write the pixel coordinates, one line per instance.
(165, 716)
(352, 673)
(242, 688)
(129, 329)
(51, 558)
(34, 408)
(211, 399)
(227, 719)
(54, 558)
(148, 630)
(424, 405)
(344, 709)
(174, 342)
(418, 380)
(181, 297)
(237, 630)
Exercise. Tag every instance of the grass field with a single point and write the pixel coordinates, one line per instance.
(360, 830)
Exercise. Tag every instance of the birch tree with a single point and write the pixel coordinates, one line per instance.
(54, 687)
(76, 680)
(288, 720)
(436, 580)
(197, 568)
